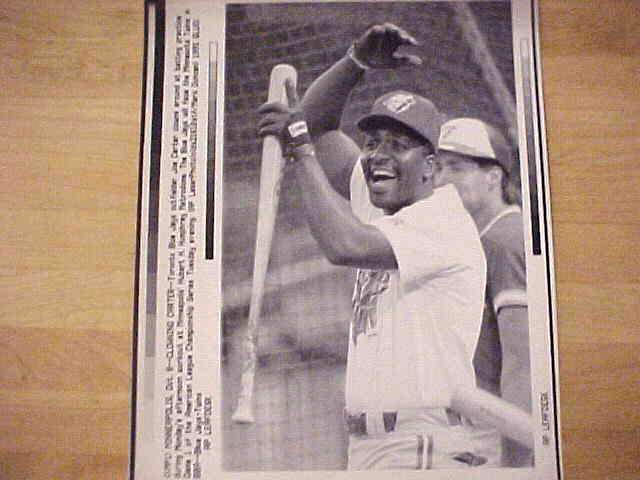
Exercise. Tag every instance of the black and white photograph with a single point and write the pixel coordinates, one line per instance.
(348, 264)
(320, 240)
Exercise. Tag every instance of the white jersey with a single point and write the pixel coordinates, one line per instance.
(415, 329)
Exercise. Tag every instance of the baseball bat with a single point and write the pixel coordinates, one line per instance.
(483, 407)
(270, 177)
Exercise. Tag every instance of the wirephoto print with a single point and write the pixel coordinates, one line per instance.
(345, 245)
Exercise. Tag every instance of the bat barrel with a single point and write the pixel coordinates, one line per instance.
(485, 408)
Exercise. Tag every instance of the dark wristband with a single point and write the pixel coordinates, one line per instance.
(351, 53)
(300, 153)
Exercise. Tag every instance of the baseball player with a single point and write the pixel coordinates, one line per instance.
(421, 270)
(476, 158)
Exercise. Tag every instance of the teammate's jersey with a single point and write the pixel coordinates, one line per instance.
(503, 243)
(415, 329)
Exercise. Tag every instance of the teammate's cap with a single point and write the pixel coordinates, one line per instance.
(475, 138)
(408, 109)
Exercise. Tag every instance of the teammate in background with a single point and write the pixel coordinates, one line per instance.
(476, 158)
(421, 270)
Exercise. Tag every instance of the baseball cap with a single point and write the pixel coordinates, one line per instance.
(408, 109)
(475, 138)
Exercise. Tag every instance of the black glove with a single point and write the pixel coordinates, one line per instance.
(377, 48)
(285, 122)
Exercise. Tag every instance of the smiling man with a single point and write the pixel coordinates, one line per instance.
(398, 128)
(420, 267)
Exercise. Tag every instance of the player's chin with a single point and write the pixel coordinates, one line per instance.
(385, 200)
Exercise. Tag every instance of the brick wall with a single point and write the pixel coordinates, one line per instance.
(312, 38)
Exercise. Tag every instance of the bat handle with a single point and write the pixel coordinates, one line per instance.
(244, 409)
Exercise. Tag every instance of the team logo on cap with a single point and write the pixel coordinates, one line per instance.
(467, 136)
(400, 102)
(447, 130)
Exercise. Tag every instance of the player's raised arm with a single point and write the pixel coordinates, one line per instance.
(325, 100)
(377, 48)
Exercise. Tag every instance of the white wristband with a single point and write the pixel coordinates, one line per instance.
(351, 53)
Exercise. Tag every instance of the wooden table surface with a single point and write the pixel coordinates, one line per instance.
(71, 89)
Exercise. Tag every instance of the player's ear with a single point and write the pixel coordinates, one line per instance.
(429, 167)
(494, 177)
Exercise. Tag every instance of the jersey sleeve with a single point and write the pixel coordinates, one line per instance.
(507, 279)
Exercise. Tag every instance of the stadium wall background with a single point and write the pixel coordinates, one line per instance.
(303, 336)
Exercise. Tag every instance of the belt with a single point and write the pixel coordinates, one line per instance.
(356, 423)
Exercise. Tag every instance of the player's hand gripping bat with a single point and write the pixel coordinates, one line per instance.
(270, 177)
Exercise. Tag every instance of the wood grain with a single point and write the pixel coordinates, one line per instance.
(591, 59)
(70, 92)
(70, 132)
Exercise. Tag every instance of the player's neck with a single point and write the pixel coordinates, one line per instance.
(482, 217)
(425, 192)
